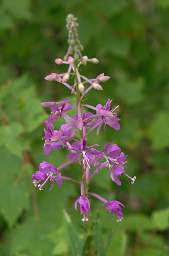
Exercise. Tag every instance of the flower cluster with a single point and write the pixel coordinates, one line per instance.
(73, 133)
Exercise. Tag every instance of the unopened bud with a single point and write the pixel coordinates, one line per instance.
(97, 86)
(65, 77)
(81, 87)
(94, 60)
(70, 60)
(85, 58)
(102, 77)
(58, 61)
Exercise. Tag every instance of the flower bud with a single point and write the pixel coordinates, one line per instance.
(70, 60)
(97, 86)
(102, 77)
(81, 87)
(85, 58)
(65, 77)
(58, 61)
(94, 60)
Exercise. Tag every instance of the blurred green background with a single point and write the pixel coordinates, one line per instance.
(131, 39)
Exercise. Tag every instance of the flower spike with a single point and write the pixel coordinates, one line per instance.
(72, 136)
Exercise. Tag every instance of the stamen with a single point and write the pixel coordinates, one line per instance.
(133, 179)
(85, 219)
(115, 108)
(40, 186)
(119, 220)
(35, 183)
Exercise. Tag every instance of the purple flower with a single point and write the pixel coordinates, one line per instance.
(106, 115)
(54, 77)
(73, 134)
(69, 61)
(46, 171)
(60, 78)
(55, 139)
(87, 120)
(115, 207)
(115, 161)
(88, 154)
(102, 78)
(84, 206)
(58, 109)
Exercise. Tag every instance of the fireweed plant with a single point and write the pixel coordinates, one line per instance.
(72, 135)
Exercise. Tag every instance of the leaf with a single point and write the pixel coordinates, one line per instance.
(14, 189)
(109, 7)
(161, 219)
(24, 106)
(130, 91)
(151, 244)
(110, 43)
(75, 242)
(18, 8)
(10, 138)
(158, 132)
(137, 222)
(5, 20)
(117, 244)
(150, 252)
(61, 246)
(44, 226)
(162, 3)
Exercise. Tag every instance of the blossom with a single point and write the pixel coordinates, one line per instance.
(58, 109)
(61, 78)
(106, 115)
(55, 139)
(46, 171)
(88, 154)
(115, 161)
(56, 77)
(84, 206)
(87, 120)
(69, 61)
(102, 78)
(115, 207)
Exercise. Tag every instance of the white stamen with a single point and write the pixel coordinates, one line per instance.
(35, 183)
(85, 219)
(119, 220)
(133, 179)
(40, 186)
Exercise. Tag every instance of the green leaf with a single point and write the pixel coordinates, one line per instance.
(130, 91)
(109, 43)
(10, 138)
(14, 188)
(151, 244)
(44, 228)
(109, 7)
(25, 105)
(117, 244)
(61, 235)
(161, 219)
(5, 20)
(158, 132)
(18, 8)
(162, 3)
(137, 222)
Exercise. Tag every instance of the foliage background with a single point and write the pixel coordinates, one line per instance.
(131, 38)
